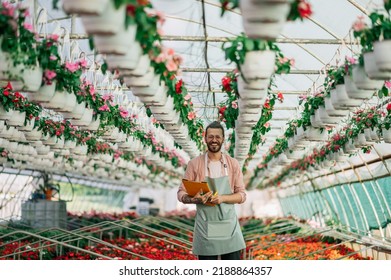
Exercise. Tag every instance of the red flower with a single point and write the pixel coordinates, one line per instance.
(8, 86)
(226, 82)
(178, 86)
(388, 106)
(280, 96)
(222, 110)
(304, 9)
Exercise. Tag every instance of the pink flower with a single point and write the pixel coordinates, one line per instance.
(185, 103)
(191, 116)
(187, 97)
(50, 75)
(162, 57)
(351, 60)
(171, 66)
(53, 37)
(359, 24)
(83, 63)
(107, 96)
(154, 120)
(53, 57)
(387, 84)
(28, 26)
(267, 125)
(234, 105)
(123, 112)
(72, 67)
(104, 108)
(161, 17)
(160, 31)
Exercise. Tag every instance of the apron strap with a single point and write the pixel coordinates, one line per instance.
(224, 162)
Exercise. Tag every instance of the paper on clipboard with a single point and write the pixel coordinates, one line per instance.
(193, 187)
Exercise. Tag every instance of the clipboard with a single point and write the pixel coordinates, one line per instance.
(193, 187)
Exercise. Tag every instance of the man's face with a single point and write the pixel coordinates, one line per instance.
(214, 139)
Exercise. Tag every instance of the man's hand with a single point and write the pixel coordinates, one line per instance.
(199, 198)
(217, 199)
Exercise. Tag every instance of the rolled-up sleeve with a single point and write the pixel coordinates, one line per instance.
(238, 183)
(189, 175)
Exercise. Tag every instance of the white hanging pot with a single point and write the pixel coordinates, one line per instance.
(43, 150)
(367, 133)
(264, 19)
(140, 81)
(44, 94)
(86, 7)
(314, 134)
(94, 125)
(387, 135)
(80, 150)
(4, 115)
(374, 135)
(107, 23)
(340, 99)
(354, 92)
(17, 119)
(77, 112)
(331, 111)
(158, 99)
(325, 118)
(143, 66)
(86, 119)
(258, 65)
(360, 140)
(31, 79)
(315, 120)
(129, 61)
(362, 81)
(372, 69)
(246, 92)
(117, 44)
(59, 101)
(150, 90)
(262, 30)
(69, 144)
(29, 125)
(381, 50)
(33, 135)
(7, 133)
(111, 133)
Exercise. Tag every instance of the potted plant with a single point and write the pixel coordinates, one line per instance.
(18, 51)
(255, 59)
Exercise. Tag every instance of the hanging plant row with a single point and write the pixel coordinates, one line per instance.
(265, 19)
(127, 31)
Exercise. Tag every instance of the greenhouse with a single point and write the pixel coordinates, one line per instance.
(276, 113)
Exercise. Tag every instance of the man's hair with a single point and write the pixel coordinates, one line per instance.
(214, 124)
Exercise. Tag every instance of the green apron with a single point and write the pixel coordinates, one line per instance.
(217, 229)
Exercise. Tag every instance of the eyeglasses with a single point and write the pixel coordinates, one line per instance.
(217, 137)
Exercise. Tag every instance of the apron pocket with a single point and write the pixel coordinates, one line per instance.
(221, 229)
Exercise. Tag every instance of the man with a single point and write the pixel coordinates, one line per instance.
(217, 230)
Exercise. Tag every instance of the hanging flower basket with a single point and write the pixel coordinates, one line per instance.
(264, 19)
(362, 81)
(77, 112)
(315, 120)
(341, 100)
(107, 23)
(314, 134)
(128, 61)
(4, 115)
(331, 111)
(117, 44)
(89, 7)
(17, 119)
(28, 126)
(371, 68)
(354, 92)
(85, 120)
(44, 94)
(62, 101)
(258, 65)
(141, 81)
(246, 90)
(387, 135)
(381, 50)
(33, 135)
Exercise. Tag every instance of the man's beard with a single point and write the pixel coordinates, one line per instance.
(214, 149)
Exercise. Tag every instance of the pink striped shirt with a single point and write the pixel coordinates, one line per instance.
(195, 171)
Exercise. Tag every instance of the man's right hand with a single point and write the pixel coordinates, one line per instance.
(199, 198)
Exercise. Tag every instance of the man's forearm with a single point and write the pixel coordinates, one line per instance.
(232, 198)
(191, 200)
